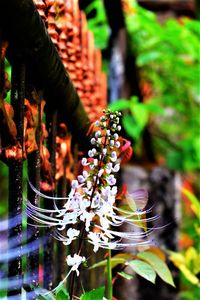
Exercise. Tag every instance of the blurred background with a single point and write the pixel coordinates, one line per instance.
(151, 57)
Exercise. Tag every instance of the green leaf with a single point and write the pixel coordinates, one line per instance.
(140, 114)
(179, 260)
(146, 58)
(46, 297)
(194, 201)
(154, 108)
(61, 293)
(125, 275)
(131, 127)
(158, 265)
(96, 294)
(143, 269)
(120, 104)
(131, 203)
(120, 258)
(103, 263)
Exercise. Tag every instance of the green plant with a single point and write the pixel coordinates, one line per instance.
(147, 264)
(92, 205)
(98, 23)
(137, 116)
(167, 56)
(188, 261)
(62, 294)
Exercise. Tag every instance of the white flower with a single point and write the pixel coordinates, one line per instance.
(111, 179)
(100, 172)
(104, 151)
(87, 218)
(93, 141)
(69, 218)
(84, 161)
(114, 126)
(113, 156)
(89, 184)
(116, 168)
(92, 152)
(97, 134)
(109, 168)
(95, 240)
(108, 132)
(75, 262)
(97, 123)
(72, 234)
(84, 204)
(104, 223)
(116, 136)
(95, 162)
(106, 191)
(96, 200)
(112, 142)
(92, 198)
(74, 184)
(85, 174)
(91, 166)
(114, 191)
(117, 144)
(81, 179)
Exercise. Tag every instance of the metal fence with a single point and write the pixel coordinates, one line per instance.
(48, 46)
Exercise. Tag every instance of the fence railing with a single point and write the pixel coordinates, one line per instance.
(48, 46)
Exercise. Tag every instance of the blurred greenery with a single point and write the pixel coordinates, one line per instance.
(3, 188)
(168, 58)
(98, 23)
(187, 260)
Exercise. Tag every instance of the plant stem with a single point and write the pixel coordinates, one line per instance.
(82, 234)
(78, 252)
(109, 275)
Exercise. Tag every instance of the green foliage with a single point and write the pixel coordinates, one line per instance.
(147, 264)
(47, 296)
(188, 263)
(96, 294)
(143, 269)
(125, 275)
(3, 189)
(195, 204)
(168, 59)
(188, 260)
(158, 265)
(8, 70)
(98, 24)
(61, 293)
(138, 115)
(117, 259)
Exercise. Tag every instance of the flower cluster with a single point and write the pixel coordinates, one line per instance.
(92, 199)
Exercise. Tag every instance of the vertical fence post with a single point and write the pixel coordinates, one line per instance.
(33, 231)
(49, 244)
(16, 178)
(61, 248)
